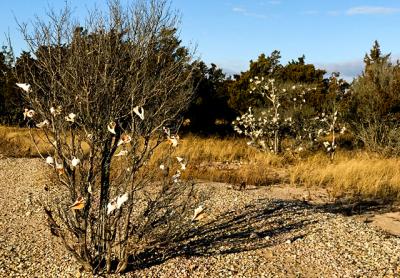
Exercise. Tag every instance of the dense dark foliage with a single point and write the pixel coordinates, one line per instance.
(209, 112)
(11, 103)
(370, 104)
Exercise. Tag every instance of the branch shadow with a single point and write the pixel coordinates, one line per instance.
(262, 224)
(259, 225)
(353, 207)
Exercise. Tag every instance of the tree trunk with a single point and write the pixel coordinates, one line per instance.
(276, 142)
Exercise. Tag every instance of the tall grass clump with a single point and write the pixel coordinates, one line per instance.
(22, 142)
(351, 175)
(222, 150)
(225, 160)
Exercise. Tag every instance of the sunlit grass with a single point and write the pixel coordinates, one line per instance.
(25, 142)
(356, 175)
(353, 174)
(17, 142)
(226, 160)
(212, 149)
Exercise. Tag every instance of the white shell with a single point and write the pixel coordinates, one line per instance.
(125, 139)
(111, 127)
(24, 86)
(111, 207)
(139, 113)
(197, 212)
(55, 111)
(71, 117)
(122, 153)
(75, 161)
(28, 113)
(43, 124)
(59, 165)
(50, 160)
(173, 140)
(122, 199)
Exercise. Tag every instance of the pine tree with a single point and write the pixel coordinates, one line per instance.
(375, 55)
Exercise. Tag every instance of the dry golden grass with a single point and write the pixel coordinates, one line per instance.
(356, 175)
(251, 173)
(212, 149)
(17, 142)
(226, 160)
(351, 174)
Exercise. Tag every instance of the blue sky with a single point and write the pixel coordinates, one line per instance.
(334, 35)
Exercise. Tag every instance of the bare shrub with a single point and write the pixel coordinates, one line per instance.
(106, 93)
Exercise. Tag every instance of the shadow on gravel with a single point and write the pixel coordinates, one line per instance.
(265, 223)
(259, 225)
(356, 207)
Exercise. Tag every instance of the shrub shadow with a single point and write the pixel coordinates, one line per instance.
(259, 225)
(350, 207)
(262, 224)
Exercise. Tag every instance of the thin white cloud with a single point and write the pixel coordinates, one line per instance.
(366, 10)
(244, 12)
(262, 16)
(239, 10)
(274, 2)
(232, 66)
(230, 72)
(348, 69)
(333, 13)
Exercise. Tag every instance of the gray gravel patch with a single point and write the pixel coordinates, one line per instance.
(244, 234)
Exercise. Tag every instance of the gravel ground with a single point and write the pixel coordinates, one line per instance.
(244, 234)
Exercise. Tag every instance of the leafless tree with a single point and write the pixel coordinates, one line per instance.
(106, 93)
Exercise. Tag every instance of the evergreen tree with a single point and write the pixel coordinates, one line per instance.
(374, 107)
(209, 111)
(11, 103)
